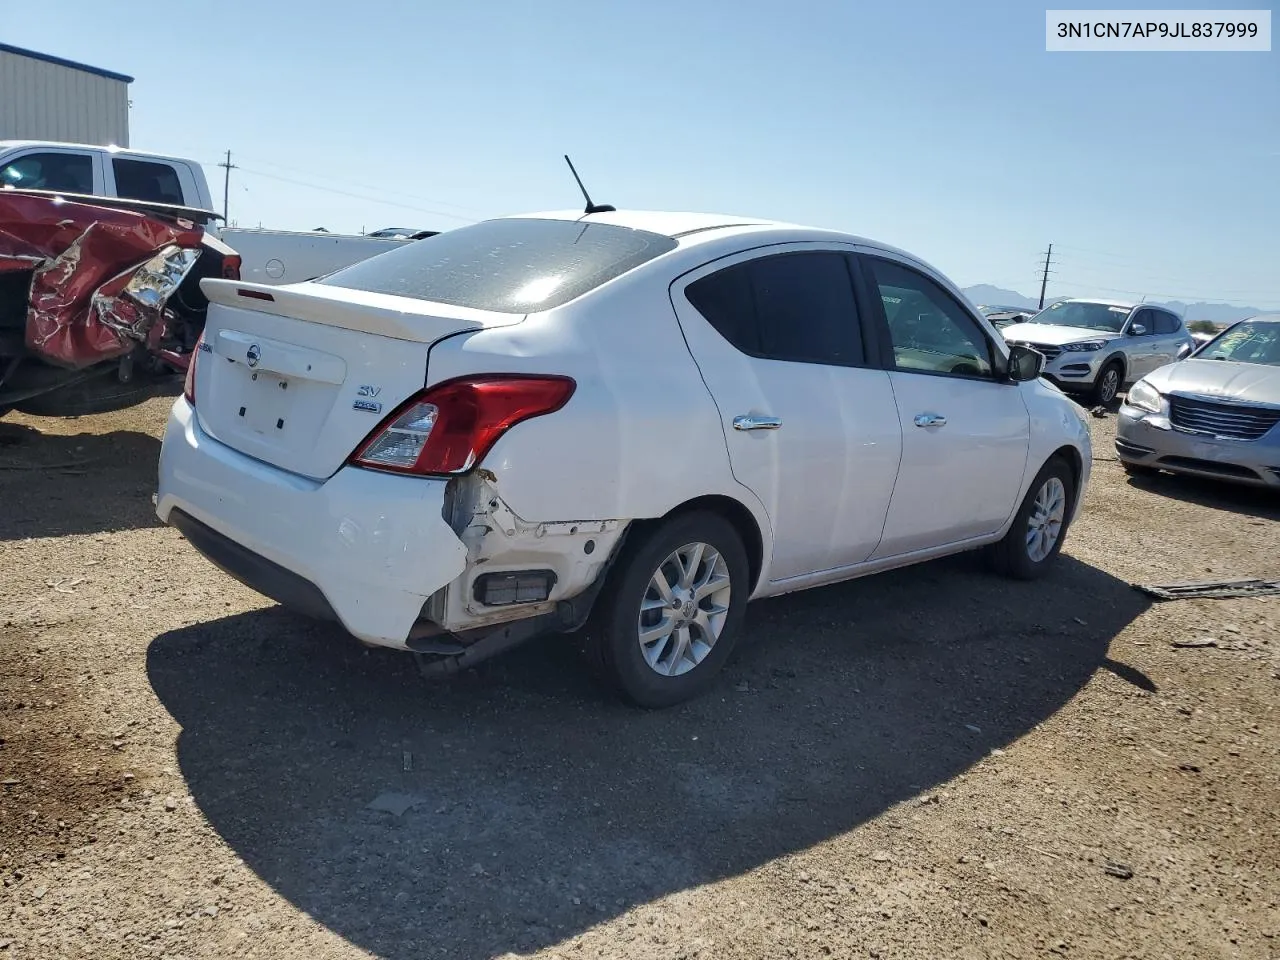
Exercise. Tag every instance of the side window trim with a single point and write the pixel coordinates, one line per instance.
(741, 257)
(997, 358)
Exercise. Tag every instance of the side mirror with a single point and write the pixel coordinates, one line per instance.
(1024, 363)
(1138, 330)
(1184, 351)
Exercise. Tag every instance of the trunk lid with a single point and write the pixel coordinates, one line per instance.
(298, 376)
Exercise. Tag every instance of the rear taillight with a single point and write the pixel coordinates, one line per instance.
(189, 385)
(450, 427)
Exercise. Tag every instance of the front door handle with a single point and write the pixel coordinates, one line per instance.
(930, 420)
(757, 423)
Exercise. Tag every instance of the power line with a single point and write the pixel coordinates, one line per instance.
(311, 175)
(1185, 298)
(358, 196)
(1144, 275)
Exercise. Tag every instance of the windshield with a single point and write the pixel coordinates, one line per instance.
(516, 265)
(1253, 341)
(1081, 313)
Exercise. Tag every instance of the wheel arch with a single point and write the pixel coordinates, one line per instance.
(729, 509)
(1072, 457)
(1120, 358)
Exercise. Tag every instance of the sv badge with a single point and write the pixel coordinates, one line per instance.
(364, 393)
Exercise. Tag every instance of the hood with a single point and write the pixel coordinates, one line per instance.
(1051, 335)
(1248, 382)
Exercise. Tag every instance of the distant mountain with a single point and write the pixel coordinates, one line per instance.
(1219, 313)
(997, 297)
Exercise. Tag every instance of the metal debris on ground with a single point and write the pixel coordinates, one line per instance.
(1120, 871)
(1214, 589)
(1197, 642)
(1099, 411)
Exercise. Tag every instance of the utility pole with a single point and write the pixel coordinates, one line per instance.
(1044, 278)
(228, 166)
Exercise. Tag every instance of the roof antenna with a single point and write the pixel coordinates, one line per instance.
(591, 207)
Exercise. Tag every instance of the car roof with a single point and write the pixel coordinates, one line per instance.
(115, 151)
(1127, 304)
(666, 223)
(690, 227)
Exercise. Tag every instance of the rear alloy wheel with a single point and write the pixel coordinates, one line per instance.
(1108, 385)
(1035, 537)
(672, 611)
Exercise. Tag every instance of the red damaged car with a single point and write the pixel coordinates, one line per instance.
(100, 300)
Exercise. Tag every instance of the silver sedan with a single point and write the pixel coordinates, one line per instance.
(1214, 414)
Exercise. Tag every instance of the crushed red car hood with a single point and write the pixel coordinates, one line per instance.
(82, 258)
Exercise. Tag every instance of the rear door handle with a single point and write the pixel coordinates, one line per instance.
(757, 423)
(930, 420)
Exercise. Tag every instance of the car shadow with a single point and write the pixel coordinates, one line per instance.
(52, 485)
(527, 806)
(1256, 502)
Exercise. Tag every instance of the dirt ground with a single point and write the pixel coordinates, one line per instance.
(933, 763)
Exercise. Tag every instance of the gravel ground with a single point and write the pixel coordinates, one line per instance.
(930, 763)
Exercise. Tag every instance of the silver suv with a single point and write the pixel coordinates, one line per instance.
(1095, 347)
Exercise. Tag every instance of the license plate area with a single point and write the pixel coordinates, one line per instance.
(266, 404)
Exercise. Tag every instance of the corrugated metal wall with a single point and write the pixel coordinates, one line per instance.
(47, 101)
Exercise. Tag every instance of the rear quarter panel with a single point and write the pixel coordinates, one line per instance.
(641, 434)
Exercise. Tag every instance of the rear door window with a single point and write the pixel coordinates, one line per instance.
(147, 180)
(68, 172)
(515, 265)
(798, 307)
(1166, 323)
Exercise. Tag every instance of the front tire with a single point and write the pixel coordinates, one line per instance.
(1108, 386)
(672, 611)
(1035, 538)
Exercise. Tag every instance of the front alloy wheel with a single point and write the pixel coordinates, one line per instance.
(1108, 384)
(1044, 526)
(1035, 537)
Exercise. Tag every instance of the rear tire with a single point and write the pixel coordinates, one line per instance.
(1108, 385)
(1035, 538)
(685, 586)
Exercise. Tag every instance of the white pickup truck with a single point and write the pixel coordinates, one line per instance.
(267, 256)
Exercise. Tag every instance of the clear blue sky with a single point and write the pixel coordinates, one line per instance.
(942, 127)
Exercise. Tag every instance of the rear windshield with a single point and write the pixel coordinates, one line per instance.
(509, 266)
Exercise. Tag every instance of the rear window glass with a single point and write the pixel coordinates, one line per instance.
(509, 266)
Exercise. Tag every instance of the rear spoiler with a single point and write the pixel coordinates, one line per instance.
(166, 211)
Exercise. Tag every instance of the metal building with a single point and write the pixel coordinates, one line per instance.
(48, 98)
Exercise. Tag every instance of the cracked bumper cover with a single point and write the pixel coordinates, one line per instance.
(362, 547)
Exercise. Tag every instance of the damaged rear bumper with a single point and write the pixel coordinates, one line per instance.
(365, 548)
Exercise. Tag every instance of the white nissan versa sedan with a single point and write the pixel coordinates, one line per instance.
(641, 420)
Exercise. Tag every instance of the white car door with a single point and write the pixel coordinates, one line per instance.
(965, 432)
(811, 426)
